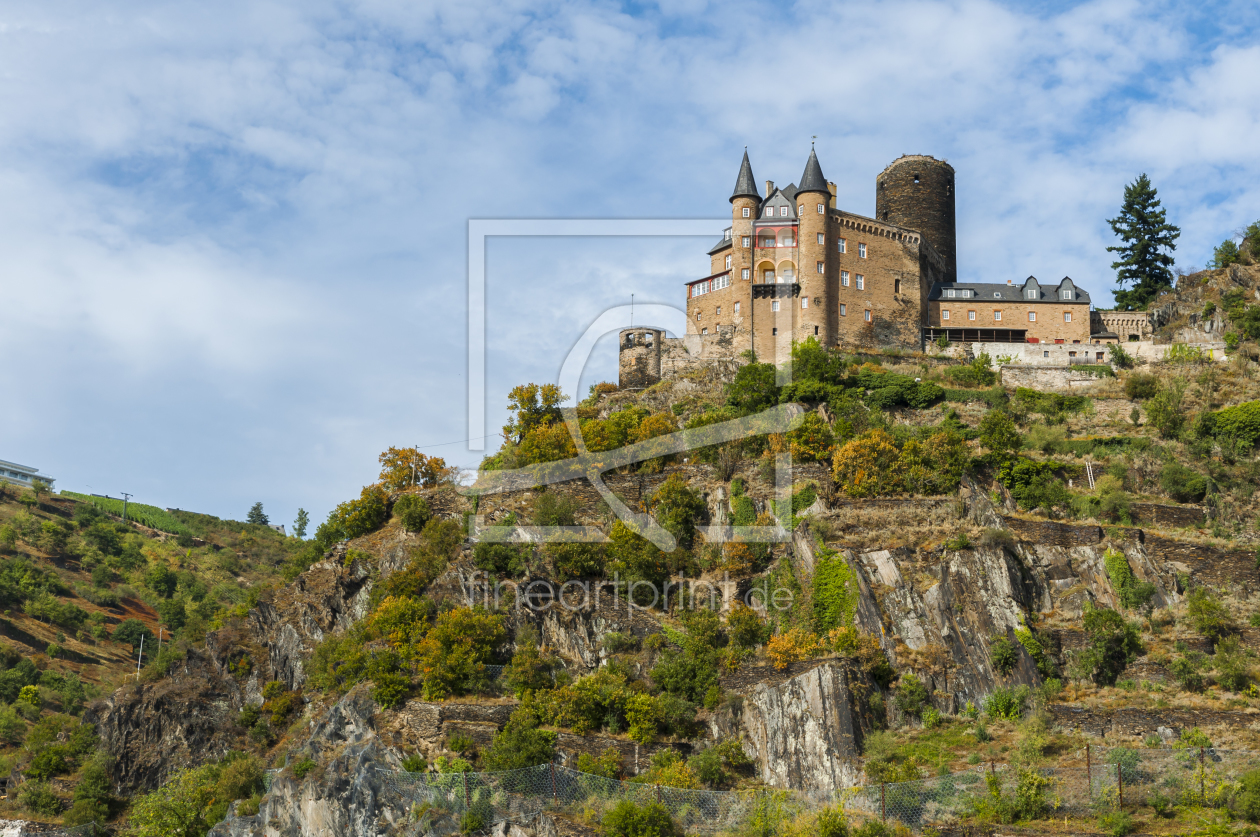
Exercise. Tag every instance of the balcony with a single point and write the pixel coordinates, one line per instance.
(777, 290)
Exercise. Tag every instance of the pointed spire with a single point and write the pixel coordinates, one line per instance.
(746, 184)
(812, 180)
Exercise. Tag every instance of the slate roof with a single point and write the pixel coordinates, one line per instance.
(745, 184)
(722, 244)
(1013, 293)
(812, 180)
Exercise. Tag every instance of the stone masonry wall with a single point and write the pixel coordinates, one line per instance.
(1047, 378)
(917, 192)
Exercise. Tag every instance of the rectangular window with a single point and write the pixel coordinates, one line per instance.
(737, 308)
(822, 268)
(747, 212)
(950, 293)
(1045, 354)
(897, 286)
(1065, 294)
(743, 274)
(704, 331)
(843, 310)
(769, 211)
(843, 245)
(861, 282)
(844, 278)
(971, 315)
(1031, 293)
(768, 276)
(820, 238)
(1032, 316)
(747, 241)
(944, 314)
(774, 331)
(783, 212)
(804, 302)
(822, 210)
(728, 262)
(867, 315)
(722, 282)
(774, 305)
(719, 311)
(997, 315)
(1067, 316)
(800, 210)
(726, 236)
(861, 251)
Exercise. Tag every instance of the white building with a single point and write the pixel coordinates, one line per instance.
(22, 475)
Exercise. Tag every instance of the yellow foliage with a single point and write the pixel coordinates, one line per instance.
(867, 466)
(793, 646)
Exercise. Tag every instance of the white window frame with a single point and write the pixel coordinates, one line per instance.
(820, 238)
(1065, 294)
(843, 245)
(997, 316)
(769, 211)
(861, 250)
(747, 212)
(822, 209)
(743, 274)
(1032, 316)
(728, 262)
(860, 280)
(800, 210)
(804, 302)
(737, 307)
(867, 315)
(971, 316)
(944, 313)
(822, 267)
(747, 240)
(774, 305)
(783, 212)
(843, 310)
(1067, 316)
(844, 278)
(1031, 293)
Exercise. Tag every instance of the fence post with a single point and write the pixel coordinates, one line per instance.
(467, 798)
(1202, 778)
(1089, 773)
(658, 794)
(883, 808)
(1120, 785)
(554, 797)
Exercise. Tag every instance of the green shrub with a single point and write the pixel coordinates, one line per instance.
(1117, 823)
(1241, 421)
(303, 767)
(628, 819)
(975, 374)
(1006, 702)
(412, 512)
(1208, 615)
(1140, 386)
(1182, 484)
(1003, 654)
(37, 797)
(1246, 803)
(520, 744)
(912, 696)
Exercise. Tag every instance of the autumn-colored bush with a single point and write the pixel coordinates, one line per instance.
(812, 441)
(792, 646)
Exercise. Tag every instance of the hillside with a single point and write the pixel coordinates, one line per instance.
(960, 580)
(81, 588)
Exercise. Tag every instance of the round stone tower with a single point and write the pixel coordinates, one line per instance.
(639, 357)
(814, 305)
(917, 191)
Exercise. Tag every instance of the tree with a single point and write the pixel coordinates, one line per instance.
(532, 406)
(299, 525)
(1223, 255)
(1145, 256)
(408, 468)
(130, 631)
(256, 515)
(753, 389)
(998, 433)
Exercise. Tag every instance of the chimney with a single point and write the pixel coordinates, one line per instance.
(769, 188)
(1008, 281)
(831, 187)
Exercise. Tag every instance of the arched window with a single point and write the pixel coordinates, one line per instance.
(765, 239)
(787, 238)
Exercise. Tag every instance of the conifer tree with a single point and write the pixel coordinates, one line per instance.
(300, 524)
(256, 515)
(1145, 256)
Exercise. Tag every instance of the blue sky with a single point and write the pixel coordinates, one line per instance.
(234, 234)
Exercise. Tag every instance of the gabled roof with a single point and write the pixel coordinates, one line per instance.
(1012, 293)
(812, 180)
(782, 196)
(722, 244)
(745, 184)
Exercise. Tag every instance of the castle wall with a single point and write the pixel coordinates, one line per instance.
(639, 357)
(896, 274)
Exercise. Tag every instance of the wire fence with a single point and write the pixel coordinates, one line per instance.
(1083, 783)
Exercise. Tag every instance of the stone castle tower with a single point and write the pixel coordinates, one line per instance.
(793, 266)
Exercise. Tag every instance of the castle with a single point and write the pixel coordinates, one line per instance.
(792, 266)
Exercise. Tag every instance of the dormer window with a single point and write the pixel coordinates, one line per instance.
(769, 211)
(783, 211)
(726, 236)
(997, 294)
(1065, 294)
(1031, 293)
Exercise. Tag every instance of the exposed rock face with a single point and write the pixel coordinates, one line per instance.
(291, 621)
(155, 729)
(805, 731)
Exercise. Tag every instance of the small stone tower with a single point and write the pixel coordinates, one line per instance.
(814, 306)
(744, 204)
(639, 356)
(917, 191)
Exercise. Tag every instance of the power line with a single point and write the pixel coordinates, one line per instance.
(456, 442)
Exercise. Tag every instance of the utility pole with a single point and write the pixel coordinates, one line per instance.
(126, 497)
(632, 310)
(415, 451)
(159, 642)
(140, 658)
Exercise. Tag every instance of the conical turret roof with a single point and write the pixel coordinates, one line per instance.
(745, 185)
(812, 180)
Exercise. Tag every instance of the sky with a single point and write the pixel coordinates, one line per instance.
(234, 236)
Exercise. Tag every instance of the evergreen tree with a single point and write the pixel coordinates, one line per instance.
(1145, 255)
(299, 525)
(256, 515)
